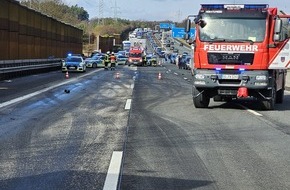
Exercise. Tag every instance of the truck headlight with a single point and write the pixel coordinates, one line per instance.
(261, 77)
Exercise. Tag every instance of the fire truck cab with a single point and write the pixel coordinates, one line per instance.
(240, 51)
(136, 55)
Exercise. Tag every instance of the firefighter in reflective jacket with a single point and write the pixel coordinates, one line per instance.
(144, 59)
(113, 61)
(107, 60)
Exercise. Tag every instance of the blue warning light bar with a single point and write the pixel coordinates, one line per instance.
(233, 6)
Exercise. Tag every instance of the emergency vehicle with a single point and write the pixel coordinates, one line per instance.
(240, 51)
(136, 56)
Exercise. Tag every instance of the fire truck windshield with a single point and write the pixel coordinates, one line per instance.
(233, 29)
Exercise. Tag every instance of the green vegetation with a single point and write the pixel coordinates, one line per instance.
(79, 17)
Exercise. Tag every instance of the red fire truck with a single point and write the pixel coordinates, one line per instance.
(240, 51)
(136, 55)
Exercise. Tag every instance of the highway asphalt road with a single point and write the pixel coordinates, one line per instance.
(136, 132)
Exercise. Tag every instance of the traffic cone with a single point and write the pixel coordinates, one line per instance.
(159, 76)
(117, 75)
(66, 75)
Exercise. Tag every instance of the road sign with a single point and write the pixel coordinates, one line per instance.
(164, 25)
(179, 32)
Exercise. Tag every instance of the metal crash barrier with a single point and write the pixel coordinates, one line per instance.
(15, 68)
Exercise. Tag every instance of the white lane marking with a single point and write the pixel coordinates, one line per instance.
(128, 104)
(251, 111)
(4, 104)
(112, 177)
(3, 88)
(176, 73)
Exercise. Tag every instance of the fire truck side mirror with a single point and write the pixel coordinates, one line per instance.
(277, 29)
(188, 25)
(202, 23)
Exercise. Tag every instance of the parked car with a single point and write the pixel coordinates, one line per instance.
(74, 63)
(95, 52)
(93, 61)
(151, 60)
(173, 58)
(121, 53)
(122, 59)
(175, 51)
(186, 61)
(101, 61)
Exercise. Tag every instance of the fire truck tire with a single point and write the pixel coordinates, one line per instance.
(270, 103)
(200, 100)
(280, 96)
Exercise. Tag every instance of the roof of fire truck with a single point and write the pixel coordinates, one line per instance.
(233, 6)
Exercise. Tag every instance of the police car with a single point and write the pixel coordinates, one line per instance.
(74, 63)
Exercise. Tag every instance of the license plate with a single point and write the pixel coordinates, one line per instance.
(231, 77)
(72, 68)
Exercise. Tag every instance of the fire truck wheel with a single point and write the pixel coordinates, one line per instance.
(280, 96)
(270, 103)
(200, 100)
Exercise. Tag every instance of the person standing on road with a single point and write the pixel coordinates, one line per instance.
(107, 60)
(179, 62)
(144, 59)
(113, 61)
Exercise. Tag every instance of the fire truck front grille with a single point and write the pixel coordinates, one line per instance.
(230, 58)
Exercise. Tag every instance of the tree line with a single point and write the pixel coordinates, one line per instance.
(79, 17)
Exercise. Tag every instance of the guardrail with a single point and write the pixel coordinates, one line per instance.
(14, 68)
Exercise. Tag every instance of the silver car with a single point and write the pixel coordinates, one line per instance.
(74, 63)
(122, 60)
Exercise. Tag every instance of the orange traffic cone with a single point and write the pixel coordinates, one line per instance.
(159, 76)
(117, 75)
(66, 75)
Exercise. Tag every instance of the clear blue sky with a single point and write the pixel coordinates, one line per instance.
(157, 10)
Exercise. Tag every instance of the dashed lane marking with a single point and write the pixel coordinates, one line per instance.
(251, 111)
(112, 177)
(128, 104)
